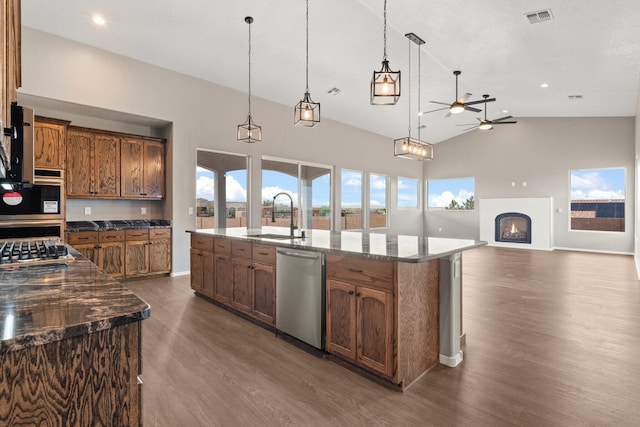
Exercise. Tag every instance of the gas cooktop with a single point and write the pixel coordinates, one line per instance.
(33, 251)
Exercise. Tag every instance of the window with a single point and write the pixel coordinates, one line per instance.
(224, 174)
(407, 193)
(451, 194)
(351, 203)
(598, 199)
(378, 190)
(308, 185)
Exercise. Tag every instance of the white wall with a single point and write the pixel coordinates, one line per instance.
(540, 152)
(636, 247)
(202, 115)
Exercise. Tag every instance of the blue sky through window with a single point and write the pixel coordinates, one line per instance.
(236, 185)
(443, 191)
(351, 189)
(598, 184)
(407, 193)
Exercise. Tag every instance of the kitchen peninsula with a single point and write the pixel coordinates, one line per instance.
(393, 302)
(70, 348)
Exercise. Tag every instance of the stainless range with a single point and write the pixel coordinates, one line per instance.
(15, 253)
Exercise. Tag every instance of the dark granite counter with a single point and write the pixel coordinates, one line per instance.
(40, 304)
(390, 247)
(119, 224)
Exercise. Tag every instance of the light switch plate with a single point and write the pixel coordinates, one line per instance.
(87, 210)
(143, 211)
(190, 210)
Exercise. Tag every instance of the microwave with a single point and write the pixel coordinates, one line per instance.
(44, 200)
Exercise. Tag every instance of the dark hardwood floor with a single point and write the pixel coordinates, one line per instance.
(553, 339)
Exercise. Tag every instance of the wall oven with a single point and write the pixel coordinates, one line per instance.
(35, 211)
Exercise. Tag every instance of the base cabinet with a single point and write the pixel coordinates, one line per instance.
(202, 265)
(264, 293)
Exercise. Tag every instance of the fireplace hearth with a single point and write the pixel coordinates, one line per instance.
(513, 227)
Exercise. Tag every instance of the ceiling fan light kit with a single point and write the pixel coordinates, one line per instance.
(307, 112)
(385, 84)
(249, 131)
(486, 124)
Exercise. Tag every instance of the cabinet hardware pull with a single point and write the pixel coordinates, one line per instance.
(263, 253)
(83, 238)
(357, 294)
(355, 270)
(350, 292)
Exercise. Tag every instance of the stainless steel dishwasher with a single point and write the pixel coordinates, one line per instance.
(300, 295)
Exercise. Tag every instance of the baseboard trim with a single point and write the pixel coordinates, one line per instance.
(451, 362)
(560, 248)
(180, 273)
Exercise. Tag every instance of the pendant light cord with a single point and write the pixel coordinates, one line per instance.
(384, 57)
(307, 63)
(249, 69)
(419, 81)
(409, 102)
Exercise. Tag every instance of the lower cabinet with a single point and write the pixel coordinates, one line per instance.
(202, 264)
(105, 249)
(242, 276)
(360, 317)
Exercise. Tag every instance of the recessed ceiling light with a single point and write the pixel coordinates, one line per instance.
(505, 111)
(98, 20)
(544, 85)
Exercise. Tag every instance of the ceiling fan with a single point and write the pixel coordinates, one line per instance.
(460, 104)
(486, 124)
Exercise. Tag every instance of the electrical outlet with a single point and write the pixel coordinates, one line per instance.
(143, 211)
(87, 210)
(190, 210)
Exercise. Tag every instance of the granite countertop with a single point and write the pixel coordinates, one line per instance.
(389, 247)
(46, 303)
(118, 224)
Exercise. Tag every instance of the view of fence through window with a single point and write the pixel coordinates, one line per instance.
(598, 199)
(351, 200)
(451, 194)
(378, 207)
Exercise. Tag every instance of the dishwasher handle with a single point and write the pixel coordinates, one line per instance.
(300, 254)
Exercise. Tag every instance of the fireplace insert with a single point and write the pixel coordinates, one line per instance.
(513, 227)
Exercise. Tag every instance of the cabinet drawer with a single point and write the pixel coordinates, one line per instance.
(82, 237)
(111, 236)
(241, 249)
(202, 243)
(264, 253)
(222, 246)
(361, 270)
(159, 233)
(137, 235)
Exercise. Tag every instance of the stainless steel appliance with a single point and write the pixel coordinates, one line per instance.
(33, 252)
(300, 295)
(17, 156)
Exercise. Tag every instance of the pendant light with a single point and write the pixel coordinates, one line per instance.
(385, 84)
(408, 147)
(307, 112)
(249, 131)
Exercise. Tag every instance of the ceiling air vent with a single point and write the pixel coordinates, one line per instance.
(539, 16)
(574, 97)
(334, 91)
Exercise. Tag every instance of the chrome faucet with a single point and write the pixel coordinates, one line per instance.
(273, 212)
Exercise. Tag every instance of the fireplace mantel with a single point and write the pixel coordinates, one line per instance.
(540, 209)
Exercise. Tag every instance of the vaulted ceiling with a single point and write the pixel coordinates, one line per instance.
(588, 53)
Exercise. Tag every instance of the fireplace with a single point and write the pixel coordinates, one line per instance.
(512, 227)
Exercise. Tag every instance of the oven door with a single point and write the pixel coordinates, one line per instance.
(42, 201)
(26, 229)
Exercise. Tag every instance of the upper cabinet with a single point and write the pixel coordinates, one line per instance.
(108, 165)
(93, 164)
(10, 71)
(143, 171)
(50, 137)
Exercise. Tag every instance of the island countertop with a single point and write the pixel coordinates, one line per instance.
(40, 304)
(389, 247)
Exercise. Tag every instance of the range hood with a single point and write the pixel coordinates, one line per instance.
(17, 161)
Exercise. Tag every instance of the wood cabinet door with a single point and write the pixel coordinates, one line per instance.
(208, 274)
(112, 258)
(49, 144)
(241, 284)
(197, 270)
(79, 173)
(160, 256)
(374, 326)
(90, 251)
(341, 318)
(223, 273)
(137, 258)
(107, 165)
(153, 170)
(131, 176)
(264, 293)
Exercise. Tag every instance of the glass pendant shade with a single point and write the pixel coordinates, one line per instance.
(249, 132)
(307, 112)
(385, 86)
(411, 148)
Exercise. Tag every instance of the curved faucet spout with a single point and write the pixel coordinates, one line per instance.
(273, 211)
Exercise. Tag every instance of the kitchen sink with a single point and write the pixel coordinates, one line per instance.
(273, 236)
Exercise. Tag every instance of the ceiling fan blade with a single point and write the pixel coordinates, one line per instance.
(475, 110)
(463, 98)
(502, 123)
(441, 103)
(448, 114)
(467, 124)
(480, 101)
(471, 128)
(502, 118)
(432, 111)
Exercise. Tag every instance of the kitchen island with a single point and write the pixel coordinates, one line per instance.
(393, 302)
(70, 348)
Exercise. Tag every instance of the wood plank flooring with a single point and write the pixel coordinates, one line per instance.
(553, 339)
